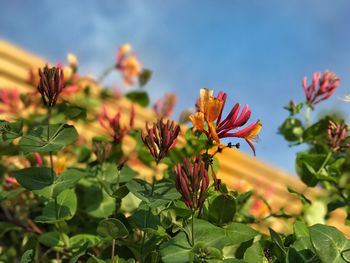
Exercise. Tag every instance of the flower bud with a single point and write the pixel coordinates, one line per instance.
(50, 85)
(160, 138)
(192, 182)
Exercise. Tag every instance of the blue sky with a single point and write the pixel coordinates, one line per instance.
(256, 51)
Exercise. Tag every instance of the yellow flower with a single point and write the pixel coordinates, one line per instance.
(72, 59)
(124, 49)
(130, 68)
(59, 165)
(67, 73)
(198, 121)
(209, 110)
(254, 132)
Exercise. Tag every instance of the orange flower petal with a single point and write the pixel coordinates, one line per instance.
(213, 133)
(198, 120)
(254, 132)
(213, 109)
(204, 96)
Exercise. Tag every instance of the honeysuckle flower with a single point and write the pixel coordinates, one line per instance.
(165, 105)
(51, 84)
(101, 149)
(160, 138)
(192, 182)
(114, 126)
(321, 88)
(59, 165)
(11, 183)
(38, 159)
(210, 108)
(123, 50)
(10, 100)
(338, 139)
(128, 64)
(72, 59)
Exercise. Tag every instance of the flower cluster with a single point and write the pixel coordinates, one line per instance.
(210, 108)
(321, 88)
(114, 126)
(128, 64)
(160, 138)
(192, 182)
(165, 105)
(11, 100)
(51, 84)
(337, 136)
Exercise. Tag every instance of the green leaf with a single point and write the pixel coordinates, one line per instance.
(302, 256)
(145, 219)
(315, 213)
(300, 230)
(10, 130)
(275, 237)
(161, 194)
(302, 197)
(330, 244)
(64, 209)
(96, 202)
(94, 259)
(34, 178)
(81, 239)
(292, 129)
(222, 209)
(74, 112)
(11, 194)
(177, 250)
(112, 228)
(27, 256)
(66, 180)
(38, 140)
(144, 77)
(238, 233)
(255, 254)
(52, 239)
(6, 227)
(317, 130)
(80, 252)
(202, 253)
(307, 165)
(139, 97)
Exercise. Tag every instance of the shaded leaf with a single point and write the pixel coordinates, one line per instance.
(112, 228)
(139, 97)
(44, 141)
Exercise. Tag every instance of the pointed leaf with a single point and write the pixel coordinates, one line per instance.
(40, 140)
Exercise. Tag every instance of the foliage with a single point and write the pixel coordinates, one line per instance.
(69, 194)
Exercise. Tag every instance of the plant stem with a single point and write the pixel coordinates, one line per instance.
(192, 228)
(51, 158)
(307, 115)
(329, 155)
(105, 73)
(146, 220)
(113, 250)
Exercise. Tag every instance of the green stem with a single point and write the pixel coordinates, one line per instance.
(192, 228)
(146, 221)
(105, 73)
(307, 115)
(113, 250)
(329, 155)
(51, 158)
